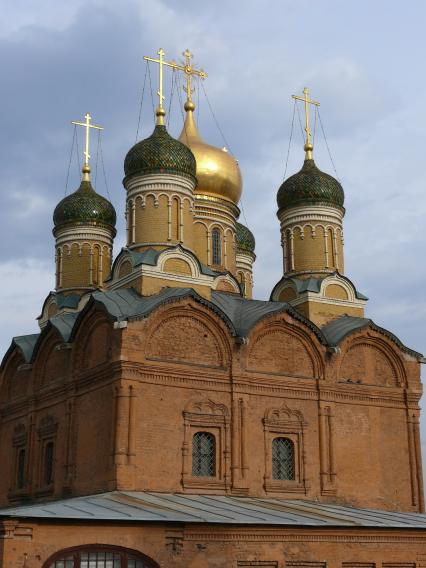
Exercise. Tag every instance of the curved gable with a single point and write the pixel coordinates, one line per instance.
(370, 361)
(187, 334)
(283, 348)
(92, 344)
(16, 377)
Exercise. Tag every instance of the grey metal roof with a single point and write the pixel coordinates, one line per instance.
(64, 323)
(338, 329)
(69, 301)
(150, 257)
(26, 344)
(244, 314)
(172, 508)
(239, 314)
(313, 284)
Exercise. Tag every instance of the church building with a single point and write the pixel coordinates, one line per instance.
(163, 418)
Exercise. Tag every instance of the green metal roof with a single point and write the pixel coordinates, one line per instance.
(245, 239)
(310, 186)
(160, 153)
(85, 206)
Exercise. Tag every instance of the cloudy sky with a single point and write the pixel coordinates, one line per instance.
(363, 60)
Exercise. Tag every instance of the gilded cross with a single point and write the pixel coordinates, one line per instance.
(87, 126)
(189, 71)
(160, 110)
(307, 101)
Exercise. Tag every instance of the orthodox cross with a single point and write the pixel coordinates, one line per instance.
(189, 71)
(87, 126)
(307, 101)
(160, 110)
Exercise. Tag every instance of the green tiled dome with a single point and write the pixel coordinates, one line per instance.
(160, 153)
(85, 206)
(310, 186)
(245, 239)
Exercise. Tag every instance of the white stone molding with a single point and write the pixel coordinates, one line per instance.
(312, 213)
(244, 261)
(83, 233)
(229, 280)
(160, 183)
(180, 255)
(320, 297)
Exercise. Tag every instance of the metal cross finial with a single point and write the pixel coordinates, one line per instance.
(160, 112)
(87, 126)
(189, 71)
(307, 101)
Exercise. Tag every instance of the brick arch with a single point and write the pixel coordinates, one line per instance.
(371, 360)
(188, 334)
(283, 347)
(92, 344)
(51, 362)
(15, 382)
(75, 552)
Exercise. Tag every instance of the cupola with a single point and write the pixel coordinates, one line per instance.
(84, 230)
(245, 258)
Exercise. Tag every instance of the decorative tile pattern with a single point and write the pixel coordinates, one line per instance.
(310, 186)
(160, 153)
(84, 206)
(245, 238)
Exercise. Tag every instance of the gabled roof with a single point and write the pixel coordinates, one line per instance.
(150, 257)
(245, 313)
(313, 284)
(336, 331)
(135, 506)
(26, 344)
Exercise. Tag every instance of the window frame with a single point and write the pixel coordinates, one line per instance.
(76, 551)
(19, 444)
(47, 433)
(206, 416)
(217, 246)
(285, 423)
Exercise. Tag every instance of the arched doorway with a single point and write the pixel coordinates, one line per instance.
(99, 556)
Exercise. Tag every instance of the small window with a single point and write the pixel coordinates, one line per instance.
(203, 455)
(20, 478)
(48, 463)
(217, 247)
(282, 459)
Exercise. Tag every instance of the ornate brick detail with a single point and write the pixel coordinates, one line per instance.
(207, 416)
(288, 423)
(279, 349)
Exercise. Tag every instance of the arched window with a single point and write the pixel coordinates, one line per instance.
(20, 473)
(98, 556)
(48, 463)
(216, 247)
(203, 455)
(282, 459)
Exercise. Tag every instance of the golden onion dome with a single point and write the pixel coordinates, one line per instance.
(218, 173)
